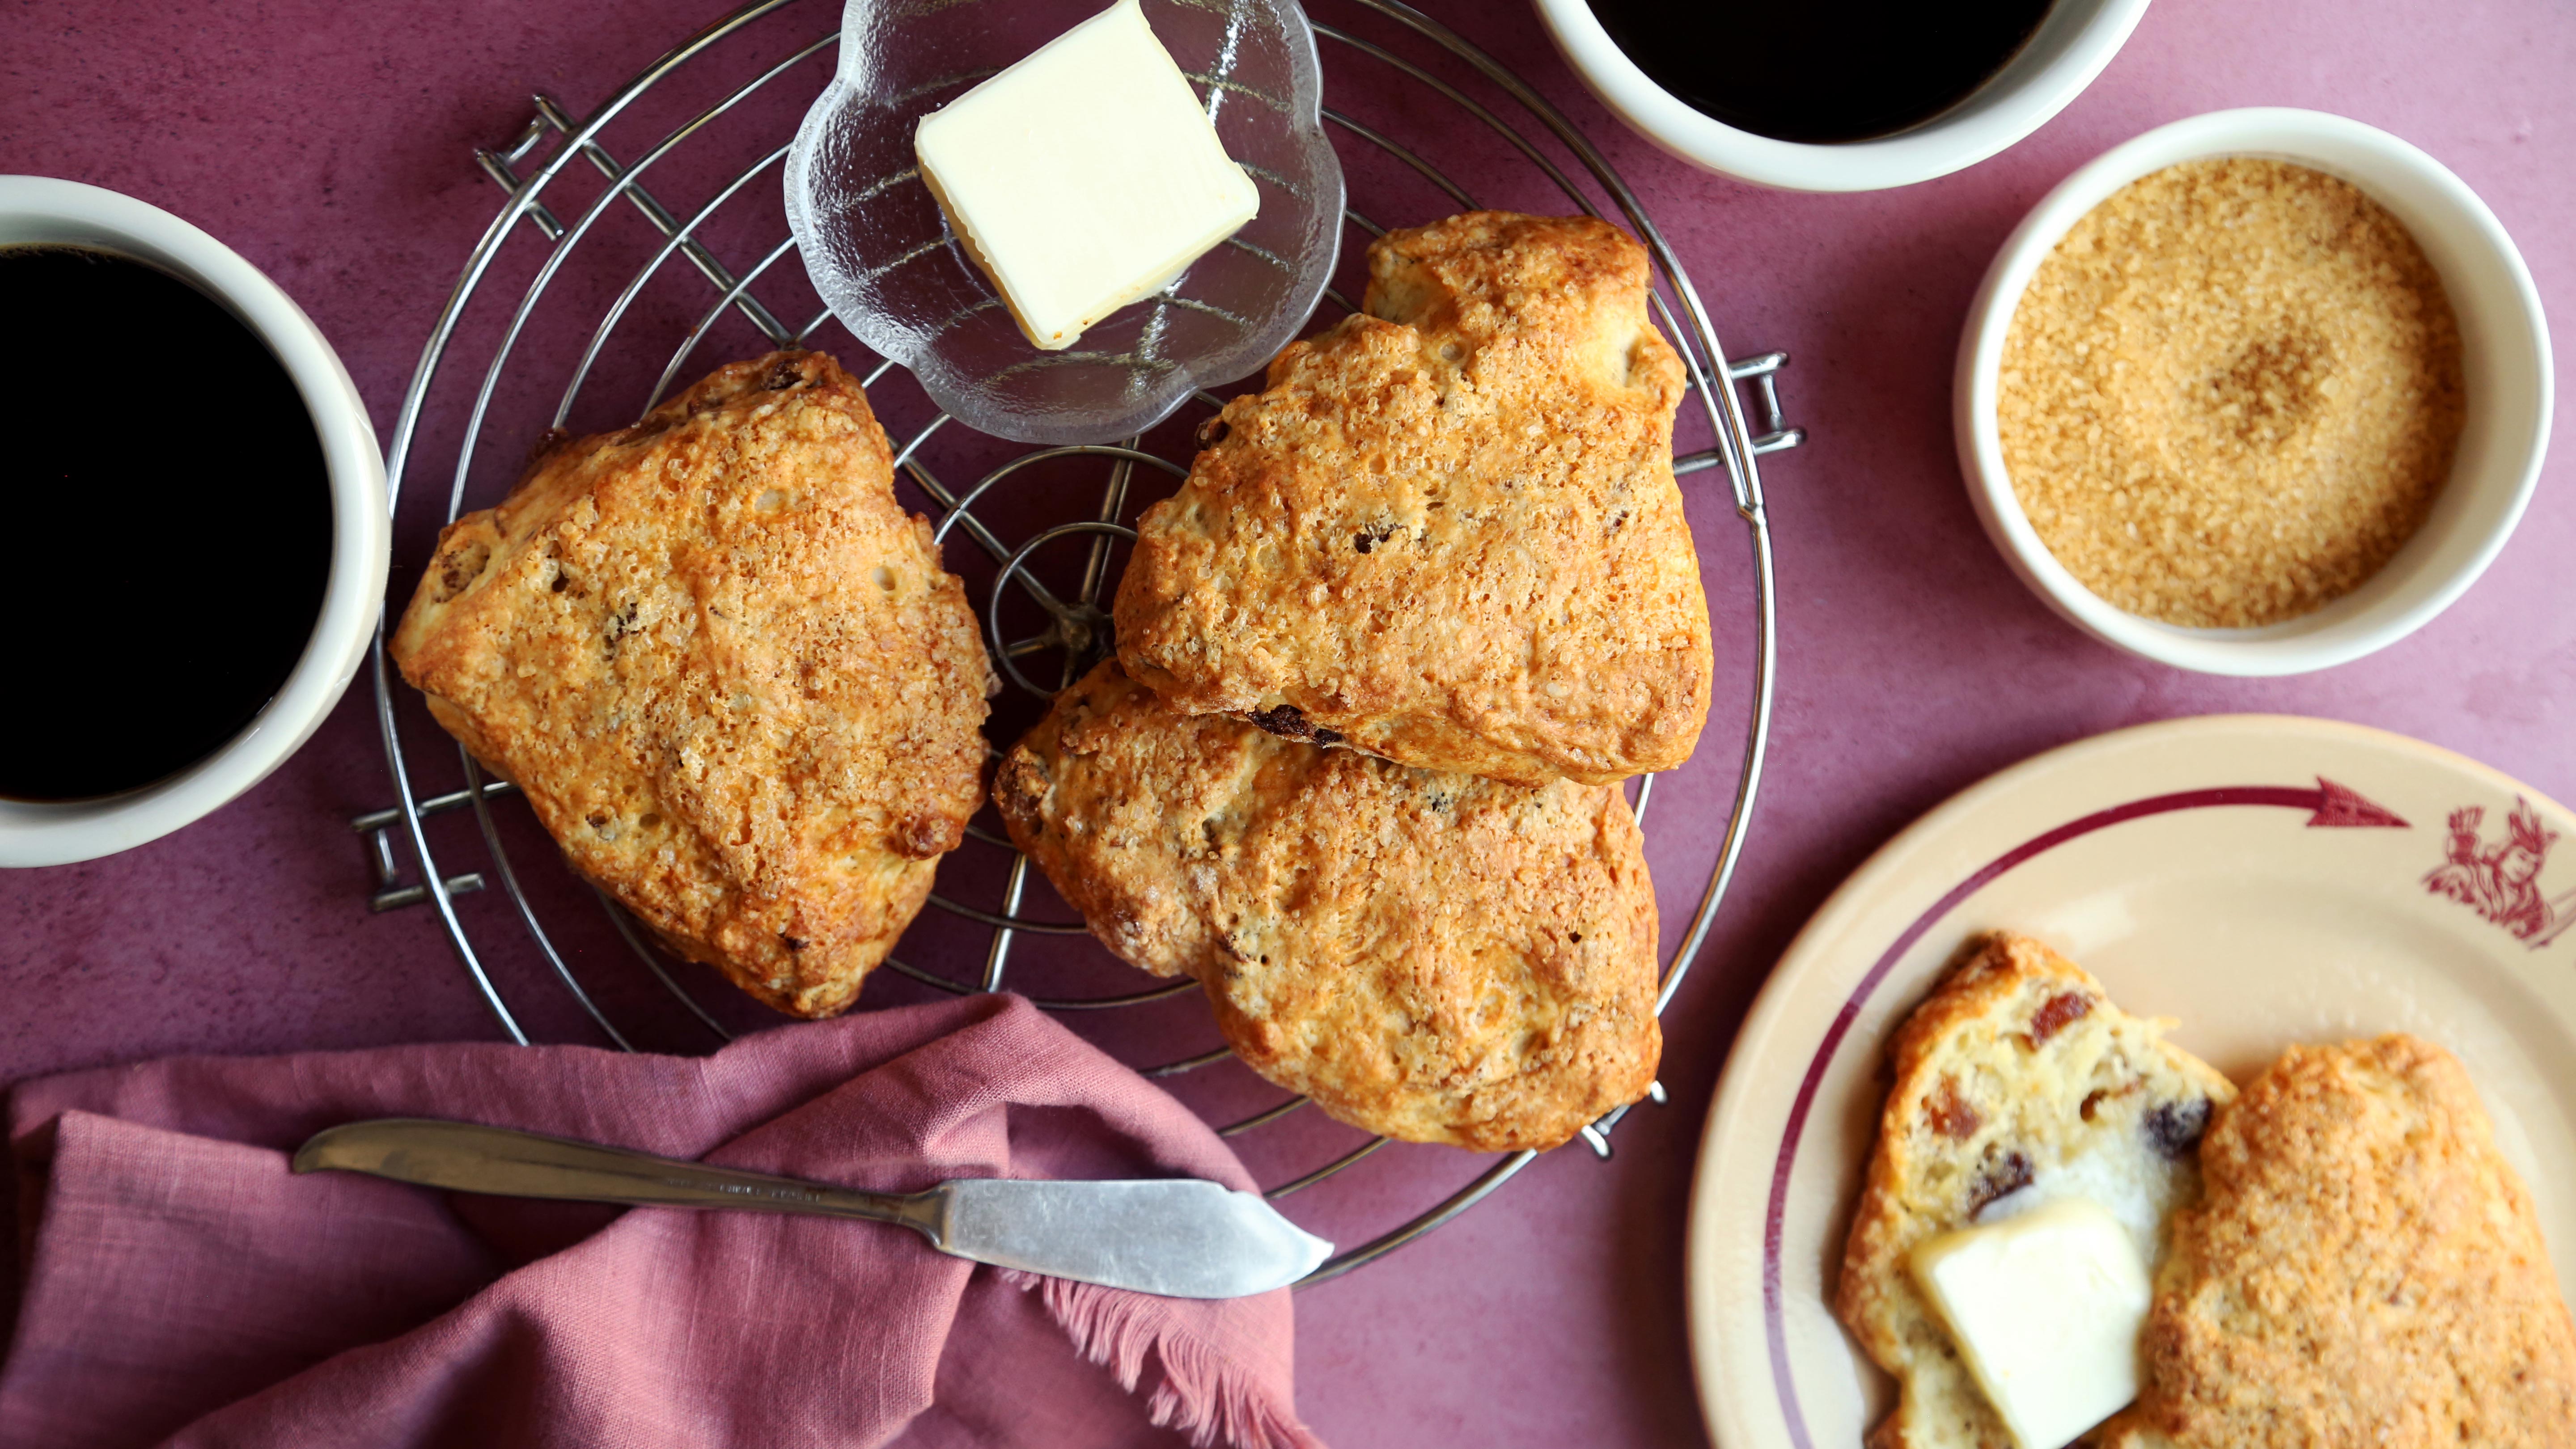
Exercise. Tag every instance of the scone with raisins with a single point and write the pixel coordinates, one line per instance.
(727, 669)
(1433, 956)
(1446, 532)
(2364, 1268)
(2017, 1082)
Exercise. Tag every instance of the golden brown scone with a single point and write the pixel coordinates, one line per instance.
(1436, 957)
(2017, 1082)
(728, 671)
(2365, 1270)
(1447, 532)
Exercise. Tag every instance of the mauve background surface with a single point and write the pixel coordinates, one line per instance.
(331, 145)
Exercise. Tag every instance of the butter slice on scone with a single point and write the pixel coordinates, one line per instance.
(2017, 1083)
(1435, 957)
(2364, 1268)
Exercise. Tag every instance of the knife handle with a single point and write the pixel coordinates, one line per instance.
(466, 1157)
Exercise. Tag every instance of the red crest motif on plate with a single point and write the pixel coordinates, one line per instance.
(2501, 881)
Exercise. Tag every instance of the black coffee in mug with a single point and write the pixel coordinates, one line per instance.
(167, 524)
(1820, 70)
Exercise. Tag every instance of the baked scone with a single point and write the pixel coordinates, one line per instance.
(728, 670)
(2016, 1082)
(1447, 531)
(2364, 1269)
(1432, 956)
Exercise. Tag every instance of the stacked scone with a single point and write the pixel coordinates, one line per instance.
(1422, 603)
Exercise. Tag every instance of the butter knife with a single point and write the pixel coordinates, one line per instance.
(1179, 1237)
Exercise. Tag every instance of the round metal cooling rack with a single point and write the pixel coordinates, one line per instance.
(555, 140)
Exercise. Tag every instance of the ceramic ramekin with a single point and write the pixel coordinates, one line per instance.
(2072, 44)
(2505, 371)
(38, 209)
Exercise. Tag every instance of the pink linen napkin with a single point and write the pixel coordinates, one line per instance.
(183, 1287)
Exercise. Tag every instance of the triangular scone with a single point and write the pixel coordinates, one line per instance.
(1447, 532)
(728, 670)
(2364, 1269)
(2017, 1078)
(1436, 957)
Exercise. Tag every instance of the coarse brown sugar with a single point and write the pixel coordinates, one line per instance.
(2230, 393)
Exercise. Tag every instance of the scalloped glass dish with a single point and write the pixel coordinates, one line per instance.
(882, 255)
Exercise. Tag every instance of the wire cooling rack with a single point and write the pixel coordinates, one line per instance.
(713, 117)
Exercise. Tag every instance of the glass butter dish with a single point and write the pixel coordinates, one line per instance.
(884, 258)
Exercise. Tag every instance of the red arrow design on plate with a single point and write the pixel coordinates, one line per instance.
(2332, 805)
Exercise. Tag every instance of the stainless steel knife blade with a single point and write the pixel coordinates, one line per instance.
(1183, 1238)
(1180, 1237)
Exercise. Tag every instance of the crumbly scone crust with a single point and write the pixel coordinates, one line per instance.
(2364, 1269)
(2016, 1064)
(728, 671)
(1433, 956)
(1447, 531)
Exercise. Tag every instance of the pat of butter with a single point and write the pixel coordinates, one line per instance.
(2045, 1308)
(1084, 177)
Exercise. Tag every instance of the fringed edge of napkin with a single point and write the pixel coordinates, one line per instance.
(1201, 1394)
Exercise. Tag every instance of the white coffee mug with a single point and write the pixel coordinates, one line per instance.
(2072, 44)
(39, 210)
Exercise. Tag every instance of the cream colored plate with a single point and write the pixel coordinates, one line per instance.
(2265, 879)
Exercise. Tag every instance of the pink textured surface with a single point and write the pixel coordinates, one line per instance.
(330, 144)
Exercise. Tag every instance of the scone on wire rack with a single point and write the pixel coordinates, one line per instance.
(2364, 1268)
(1446, 532)
(1436, 957)
(728, 671)
(2016, 1082)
